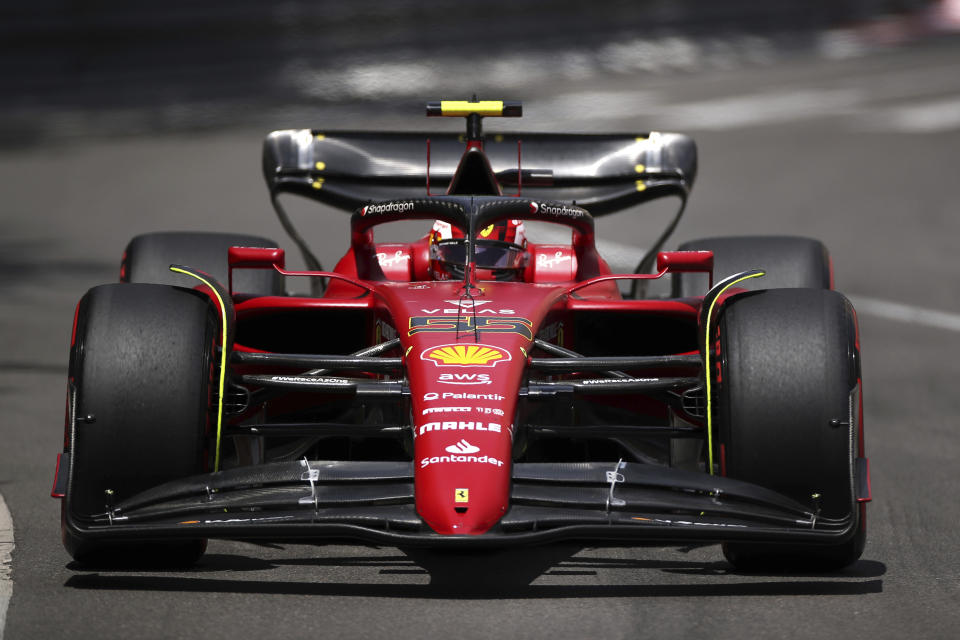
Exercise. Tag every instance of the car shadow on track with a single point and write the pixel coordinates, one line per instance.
(494, 575)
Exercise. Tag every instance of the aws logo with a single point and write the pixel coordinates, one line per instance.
(464, 378)
(465, 355)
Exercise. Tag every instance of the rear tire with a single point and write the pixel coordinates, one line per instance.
(789, 365)
(148, 257)
(142, 367)
(789, 261)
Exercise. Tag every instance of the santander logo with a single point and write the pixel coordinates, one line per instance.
(462, 451)
(463, 447)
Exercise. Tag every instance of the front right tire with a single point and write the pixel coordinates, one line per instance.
(788, 413)
(141, 371)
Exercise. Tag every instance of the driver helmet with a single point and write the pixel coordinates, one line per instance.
(500, 251)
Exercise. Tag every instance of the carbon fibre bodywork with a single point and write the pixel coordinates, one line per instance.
(348, 169)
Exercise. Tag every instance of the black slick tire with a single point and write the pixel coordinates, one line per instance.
(789, 261)
(141, 368)
(787, 413)
(148, 257)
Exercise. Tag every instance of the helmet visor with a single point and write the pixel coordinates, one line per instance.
(489, 254)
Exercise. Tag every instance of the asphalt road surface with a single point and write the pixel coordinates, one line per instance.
(860, 152)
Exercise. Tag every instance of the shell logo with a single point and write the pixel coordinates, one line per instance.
(466, 355)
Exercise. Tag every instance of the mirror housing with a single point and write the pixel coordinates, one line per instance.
(254, 258)
(686, 262)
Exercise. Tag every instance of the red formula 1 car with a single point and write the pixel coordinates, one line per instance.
(473, 387)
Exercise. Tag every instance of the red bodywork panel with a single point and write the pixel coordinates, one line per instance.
(465, 358)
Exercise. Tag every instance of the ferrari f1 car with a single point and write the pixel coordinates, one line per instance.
(471, 388)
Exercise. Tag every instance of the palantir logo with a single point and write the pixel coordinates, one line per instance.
(463, 447)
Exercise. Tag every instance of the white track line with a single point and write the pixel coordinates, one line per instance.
(906, 313)
(6, 549)
(925, 117)
(730, 112)
(762, 108)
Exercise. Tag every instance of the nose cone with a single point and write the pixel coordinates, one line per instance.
(464, 397)
(465, 359)
(463, 474)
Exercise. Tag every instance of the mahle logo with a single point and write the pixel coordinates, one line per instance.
(465, 355)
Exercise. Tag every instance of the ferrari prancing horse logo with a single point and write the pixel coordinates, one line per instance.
(461, 495)
(466, 355)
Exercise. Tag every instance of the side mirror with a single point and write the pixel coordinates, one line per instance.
(685, 262)
(254, 258)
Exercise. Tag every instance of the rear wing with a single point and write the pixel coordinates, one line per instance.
(602, 173)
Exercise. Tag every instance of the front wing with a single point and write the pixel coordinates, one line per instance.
(373, 502)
